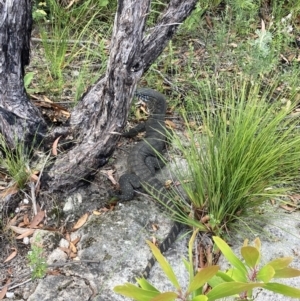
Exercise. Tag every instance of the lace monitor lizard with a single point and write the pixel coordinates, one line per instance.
(142, 162)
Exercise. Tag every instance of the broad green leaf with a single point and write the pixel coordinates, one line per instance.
(266, 273)
(202, 277)
(186, 264)
(132, 291)
(237, 275)
(144, 284)
(164, 264)
(200, 298)
(287, 273)
(257, 244)
(245, 244)
(191, 257)
(28, 78)
(168, 296)
(229, 255)
(251, 256)
(283, 289)
(230, 289)
(280, 263)
(214, 281)
(224, 276)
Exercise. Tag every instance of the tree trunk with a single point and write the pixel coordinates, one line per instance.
(104, 108)
(20, 120)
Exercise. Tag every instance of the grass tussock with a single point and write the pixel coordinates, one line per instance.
(15, 162)
(240, 153)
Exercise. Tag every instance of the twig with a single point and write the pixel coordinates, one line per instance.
(66, 41)
(41, 171)
(49, 266)
(33, 199)
(19, 284)
(167, 81)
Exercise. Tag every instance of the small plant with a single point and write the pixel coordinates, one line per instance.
(16, 161)
(37, 261)
(240, 152)
(239, 281)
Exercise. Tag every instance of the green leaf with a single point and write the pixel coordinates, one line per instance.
(224, 276)
(229, 255)
(28, 78)
(103, 2)
(186, 264)
(230, 289)
(283, 289)
(215, 280)
(167, 296)
(164, 264)
(200, 298)
(237, 275)
(202, 277)
(251, 255)
(191, 256)
(144, 284)
(287, 273)
(280, 263)
(266, 273)
(132, 291)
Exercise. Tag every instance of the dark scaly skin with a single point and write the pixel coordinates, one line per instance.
(141, 163)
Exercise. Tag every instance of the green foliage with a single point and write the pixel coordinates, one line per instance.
(37, 261)
(15, 162)
(64, 36)
(38, 11)
(240, 152)
(240, 280)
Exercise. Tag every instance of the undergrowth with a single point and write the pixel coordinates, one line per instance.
(239, 152)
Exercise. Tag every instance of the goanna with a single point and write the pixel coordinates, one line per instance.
(143, 160)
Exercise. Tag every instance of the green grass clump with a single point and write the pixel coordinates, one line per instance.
(241, 151)
(15, 162)
(37, 262)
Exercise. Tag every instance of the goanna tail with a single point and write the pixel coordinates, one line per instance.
(164, 246)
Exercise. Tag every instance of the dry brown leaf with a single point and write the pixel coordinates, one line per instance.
(18, 230)
(75, 241)
(66, 250)
(4, 290)
(34, 177)
(54, 146)
(37, 219)
(109, 174)
(53, 272)
(13, 221)
(10, 190)
(154, 227)
(288, 208)
(26, 234)
(81, 221)
(68, 238)
(72, 255)
(205, 219)
(170, 124)
(73, 248)
(295, 198)
(26, 219)
(12, 255)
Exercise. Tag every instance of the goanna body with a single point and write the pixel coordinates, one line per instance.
(142, 162)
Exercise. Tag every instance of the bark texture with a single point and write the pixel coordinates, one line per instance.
(104, 108)
(19, 118)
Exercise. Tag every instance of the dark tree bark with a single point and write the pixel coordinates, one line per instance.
(19, 118)
(104, 108)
